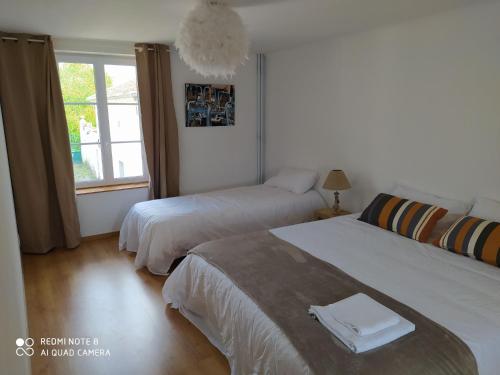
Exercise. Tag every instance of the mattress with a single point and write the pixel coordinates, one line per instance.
(457, 292)
(165, 229)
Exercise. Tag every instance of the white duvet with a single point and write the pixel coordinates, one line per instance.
(165, 229)
(459, 293)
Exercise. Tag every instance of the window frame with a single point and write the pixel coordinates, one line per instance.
(101, 104)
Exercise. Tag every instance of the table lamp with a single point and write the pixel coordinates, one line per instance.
(336, 180)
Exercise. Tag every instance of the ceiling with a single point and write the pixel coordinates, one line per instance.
(272, 24)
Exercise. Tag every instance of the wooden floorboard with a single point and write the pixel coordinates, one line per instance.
(95, 291)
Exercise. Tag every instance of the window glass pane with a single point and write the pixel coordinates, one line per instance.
(87, 162)
(121, 83)
(77, 82)
(127, 159)
(124, 122)
(82, 123)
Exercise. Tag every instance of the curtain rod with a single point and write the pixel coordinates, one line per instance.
(122, 54)
(43, 41)
(29, 40)
(151, 49)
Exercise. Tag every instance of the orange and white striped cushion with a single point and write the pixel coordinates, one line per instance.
(410, 219)
(473, 237)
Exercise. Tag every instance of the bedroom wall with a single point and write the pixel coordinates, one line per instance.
(104, 212)
(210, 158)
(13, 322)
(213, 158)
(416, 102)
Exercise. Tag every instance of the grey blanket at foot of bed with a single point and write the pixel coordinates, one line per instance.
(284, 281)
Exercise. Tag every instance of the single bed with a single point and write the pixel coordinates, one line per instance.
(165, 229)
(458, 293)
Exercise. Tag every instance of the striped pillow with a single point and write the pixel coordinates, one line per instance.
(410, 219)
(473, 237)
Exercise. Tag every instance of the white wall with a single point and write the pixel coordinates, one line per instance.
(13, 322)
(104, 212)
(218, 157)
(210, 158)
(417, 102)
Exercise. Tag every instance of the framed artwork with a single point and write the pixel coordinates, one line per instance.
(209, 105)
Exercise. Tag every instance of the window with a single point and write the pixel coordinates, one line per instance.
(102, 111)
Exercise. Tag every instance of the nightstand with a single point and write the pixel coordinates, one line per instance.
(327, 213)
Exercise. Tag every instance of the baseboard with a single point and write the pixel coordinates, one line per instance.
(100, 236)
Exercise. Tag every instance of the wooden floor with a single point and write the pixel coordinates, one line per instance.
(95, 291)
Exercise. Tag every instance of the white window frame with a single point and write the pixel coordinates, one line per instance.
(101, 103)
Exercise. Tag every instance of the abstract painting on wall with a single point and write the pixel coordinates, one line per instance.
(209, 105)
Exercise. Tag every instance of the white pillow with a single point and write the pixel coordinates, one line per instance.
(296, 180)
(485, 208)
(454, 206)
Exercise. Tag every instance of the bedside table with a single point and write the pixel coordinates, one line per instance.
(327, 213)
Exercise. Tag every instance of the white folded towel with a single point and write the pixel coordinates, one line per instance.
(351, 339)
(362, 314)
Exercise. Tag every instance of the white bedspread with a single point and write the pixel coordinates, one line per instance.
(457, 292)
(165, 229)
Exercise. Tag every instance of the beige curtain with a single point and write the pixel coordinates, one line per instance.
(37, 144)
(159, 124)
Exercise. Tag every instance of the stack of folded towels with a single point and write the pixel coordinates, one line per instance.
(362, 323)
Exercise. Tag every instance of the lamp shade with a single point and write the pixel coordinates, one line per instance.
(212, 39)
(337, 180)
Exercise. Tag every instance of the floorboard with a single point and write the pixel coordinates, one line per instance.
(94, 291)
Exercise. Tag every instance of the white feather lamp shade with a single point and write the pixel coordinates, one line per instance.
(212, 39)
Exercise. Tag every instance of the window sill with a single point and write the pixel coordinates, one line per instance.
(104, 189)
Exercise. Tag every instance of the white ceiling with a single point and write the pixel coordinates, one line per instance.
(272, 24)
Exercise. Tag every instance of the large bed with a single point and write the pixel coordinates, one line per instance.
(458, 293)
(163, 230)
